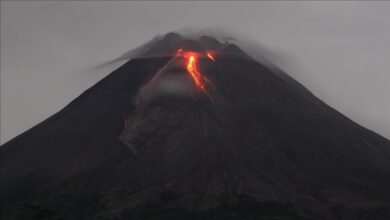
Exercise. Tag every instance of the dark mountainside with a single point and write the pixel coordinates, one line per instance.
(260, 147)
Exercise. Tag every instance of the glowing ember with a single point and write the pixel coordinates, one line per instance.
(209, 55)
(179, 50)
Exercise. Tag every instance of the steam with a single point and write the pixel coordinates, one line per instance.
(251, 46)
(166, 86)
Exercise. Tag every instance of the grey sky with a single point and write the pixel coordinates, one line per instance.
(50, 50)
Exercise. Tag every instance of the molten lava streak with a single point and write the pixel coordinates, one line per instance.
(209, 55)
(192, 68)
(192, 65)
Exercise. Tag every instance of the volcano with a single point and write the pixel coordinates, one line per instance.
(196, 129)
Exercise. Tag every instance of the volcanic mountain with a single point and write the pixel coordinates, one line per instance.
(196, 129)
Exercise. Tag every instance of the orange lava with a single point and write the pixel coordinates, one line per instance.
(192, 66)
(191, 59)
(209, 55)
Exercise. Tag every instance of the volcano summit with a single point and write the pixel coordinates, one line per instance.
(196, 129)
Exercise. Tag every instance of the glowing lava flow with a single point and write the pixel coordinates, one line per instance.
(192, 66)
(192, 69)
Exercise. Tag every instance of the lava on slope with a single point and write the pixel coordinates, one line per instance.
(192, 65)
(183, 75)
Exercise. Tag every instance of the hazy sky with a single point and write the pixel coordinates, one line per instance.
(50, 50)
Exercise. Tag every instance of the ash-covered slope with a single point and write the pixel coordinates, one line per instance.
(147, 143)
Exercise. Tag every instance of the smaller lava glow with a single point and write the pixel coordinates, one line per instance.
(193, 70)
(209, 55)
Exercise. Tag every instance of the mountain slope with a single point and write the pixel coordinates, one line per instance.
(260, 146)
